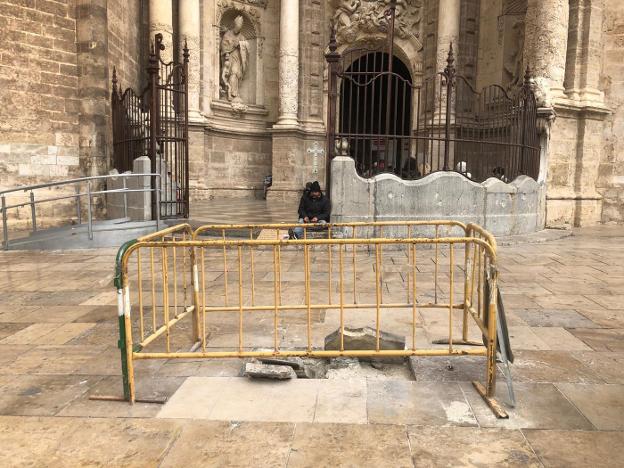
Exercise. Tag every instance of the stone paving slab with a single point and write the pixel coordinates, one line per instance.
(563, 300)
(469, 446)
(601, 404)
(538, 406)
(563, 449)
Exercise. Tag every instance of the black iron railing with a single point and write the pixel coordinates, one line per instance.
(387, 123)
(154, 123)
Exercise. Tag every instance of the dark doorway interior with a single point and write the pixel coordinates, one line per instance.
(375, 113)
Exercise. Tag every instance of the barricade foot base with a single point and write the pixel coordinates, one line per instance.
(156, 401)
(458, 342)
(496, 408)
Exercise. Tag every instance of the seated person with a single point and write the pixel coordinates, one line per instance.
(314, 207)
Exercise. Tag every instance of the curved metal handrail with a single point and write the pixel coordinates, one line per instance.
(76, 196)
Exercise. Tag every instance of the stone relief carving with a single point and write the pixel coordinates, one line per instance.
(354, 18)
(251, 12)
(234, 59)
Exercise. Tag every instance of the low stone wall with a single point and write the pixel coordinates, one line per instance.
(502, 208)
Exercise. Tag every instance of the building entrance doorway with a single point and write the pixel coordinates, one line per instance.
(376, 111)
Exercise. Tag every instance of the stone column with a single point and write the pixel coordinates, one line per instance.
(448, 30)
(546, 42)
(161, 21)
(189, 28)
(582, 75)
(288, 64)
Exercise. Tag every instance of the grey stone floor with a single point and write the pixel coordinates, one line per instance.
(58, 332)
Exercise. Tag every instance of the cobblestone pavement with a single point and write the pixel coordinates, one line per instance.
(58, 335)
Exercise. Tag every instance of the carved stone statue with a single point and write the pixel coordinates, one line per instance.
(234, 59)
(514, 62)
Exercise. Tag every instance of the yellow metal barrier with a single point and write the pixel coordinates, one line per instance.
(279, 288)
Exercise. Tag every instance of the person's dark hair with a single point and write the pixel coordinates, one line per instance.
(315, 187)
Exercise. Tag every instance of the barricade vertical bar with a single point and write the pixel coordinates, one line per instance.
(354, 249)
(451, 292)
(329, 277)
(203, 282)
(175, 281)
(491, 348)
(381, 234)
(275, 298)
(480, 283)
(225, 269)
(153, 289)
(472, 273)
(306, 266)
(377, 296)
(409, 273)
(140, 294)
(33, 211)
(165, 293)
(197, 328)
(253, 273)
(435, 291)
(240, 299)
(192, 251)
(341, 283)
(466, 290)
(414, 310)
(5, 226)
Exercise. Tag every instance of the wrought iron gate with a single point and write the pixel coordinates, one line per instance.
(386, 122)
(154, 123)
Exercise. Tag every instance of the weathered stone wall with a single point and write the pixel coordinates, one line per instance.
(610, 183)
(127, 41)
(39, 98)
(229, 165)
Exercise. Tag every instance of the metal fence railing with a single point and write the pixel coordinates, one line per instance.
(184, 296)
(82, 196)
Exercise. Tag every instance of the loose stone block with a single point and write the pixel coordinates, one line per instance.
(269, 371)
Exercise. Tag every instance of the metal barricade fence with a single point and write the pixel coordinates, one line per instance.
(277, 297)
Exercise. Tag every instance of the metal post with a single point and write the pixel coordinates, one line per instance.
(157, 203)
(152, 70)
(33, 211)
(332, 62)
(78, 205)
(449, 74)
(5, 227)
(89, 213)
(125, 197)
(185, 166)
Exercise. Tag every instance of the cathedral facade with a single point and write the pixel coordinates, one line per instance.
(258, 84)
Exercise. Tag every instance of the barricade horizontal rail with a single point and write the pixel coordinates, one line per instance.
(185, 298)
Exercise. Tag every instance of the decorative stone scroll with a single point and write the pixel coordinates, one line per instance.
(356, 18)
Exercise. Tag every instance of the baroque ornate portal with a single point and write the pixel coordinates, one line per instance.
(355, 19)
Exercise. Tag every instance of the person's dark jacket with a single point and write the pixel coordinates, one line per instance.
(311, 208)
